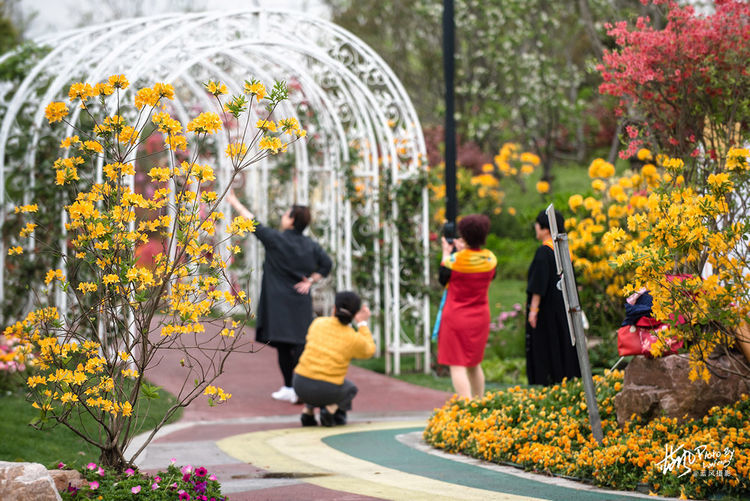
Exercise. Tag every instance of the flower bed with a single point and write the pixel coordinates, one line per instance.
(547, 430)
(186, 483)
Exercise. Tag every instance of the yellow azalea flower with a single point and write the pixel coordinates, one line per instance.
(104, 89)
(206, 122)
(164, 90)
(55, 111)
(266, 125)
(176, 142)
(644, 155)
(255, 88)
(236, 149)
(146, 97)
(86, 287)
(598, 185)
(93, 146)
(119, 81)
(15, 250)
(272, 144)
(574, 202)
(23, 209)
(216, 88)
(69, 141)
(542, 187)
(512, 211)
(54, 275)
(81, 91)
(110, 279)
(27, 230)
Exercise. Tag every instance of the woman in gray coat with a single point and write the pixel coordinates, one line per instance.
(293, 263)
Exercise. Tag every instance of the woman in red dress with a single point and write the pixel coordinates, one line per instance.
(465, 320)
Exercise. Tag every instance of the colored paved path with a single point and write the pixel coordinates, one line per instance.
(258, 450)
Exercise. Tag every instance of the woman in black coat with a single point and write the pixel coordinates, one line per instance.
(550, 355)
(292, 265)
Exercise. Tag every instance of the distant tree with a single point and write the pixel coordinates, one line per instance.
(523, 67)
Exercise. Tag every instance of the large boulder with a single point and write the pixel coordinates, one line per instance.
(26, 482)
(65, 478)
(661, 387)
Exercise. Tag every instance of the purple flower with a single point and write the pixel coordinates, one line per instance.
(200, 472)
(130, 472)
(72, 488)
(186, 477)
(184, 495)
(94, 485)
(200, 487)
(136, 489)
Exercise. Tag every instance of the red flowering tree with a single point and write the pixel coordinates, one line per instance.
(685, 88)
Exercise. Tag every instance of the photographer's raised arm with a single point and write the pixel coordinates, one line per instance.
(237, 205)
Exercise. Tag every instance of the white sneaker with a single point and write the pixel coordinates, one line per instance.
(286, 394)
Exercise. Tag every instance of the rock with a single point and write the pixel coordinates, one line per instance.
(63, 478)
(26, 482)
(661, 387)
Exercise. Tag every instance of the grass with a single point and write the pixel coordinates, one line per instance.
(21, 442)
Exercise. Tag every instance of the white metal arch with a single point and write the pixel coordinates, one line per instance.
(355, 99)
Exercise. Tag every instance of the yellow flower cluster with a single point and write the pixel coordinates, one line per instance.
(547, 430)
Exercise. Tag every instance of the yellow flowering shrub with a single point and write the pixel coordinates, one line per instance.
(653, 229)
(123, 314)
(482, 192)
(546, 429)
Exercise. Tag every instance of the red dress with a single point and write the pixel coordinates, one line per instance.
(465, 321)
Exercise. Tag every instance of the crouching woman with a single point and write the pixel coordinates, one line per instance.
(319, 378)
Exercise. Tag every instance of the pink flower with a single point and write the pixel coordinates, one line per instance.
(136, 489)
(100, 471)
(186, 469)
(91, 466)
(60, 465)
(212, 477)
(184, 495)
(157, 478)
(93, 485)
(200, 472)
(173, 460)
(154, 486)
(130, 472)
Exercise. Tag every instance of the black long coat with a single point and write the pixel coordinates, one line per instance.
(283, 314)
(550, 356)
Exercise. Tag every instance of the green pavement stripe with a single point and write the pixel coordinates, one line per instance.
(382, 447)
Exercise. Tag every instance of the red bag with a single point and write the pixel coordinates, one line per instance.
(637, 339)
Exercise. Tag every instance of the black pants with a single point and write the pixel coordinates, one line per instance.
(289, 354)
(317, 393)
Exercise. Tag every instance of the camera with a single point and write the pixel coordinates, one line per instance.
(449, 231)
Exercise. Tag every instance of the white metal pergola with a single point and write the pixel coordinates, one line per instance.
(347, 98)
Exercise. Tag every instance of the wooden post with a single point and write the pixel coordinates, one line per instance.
(575, 319)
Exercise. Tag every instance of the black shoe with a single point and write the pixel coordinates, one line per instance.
(308, 420)
(326, 418)
(339, 417)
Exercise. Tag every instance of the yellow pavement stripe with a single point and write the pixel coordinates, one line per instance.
(301, 451)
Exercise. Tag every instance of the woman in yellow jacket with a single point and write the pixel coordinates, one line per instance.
(319, 378)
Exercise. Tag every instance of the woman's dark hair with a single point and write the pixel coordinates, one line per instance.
(543, 221)
(473, 229)
(301, 216)
(348, 304)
